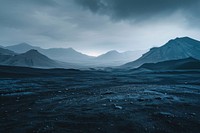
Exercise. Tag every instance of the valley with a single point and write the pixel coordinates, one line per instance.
(60, 100)
(99, 66)
(158, 92)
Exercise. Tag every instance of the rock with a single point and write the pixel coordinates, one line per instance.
(118, 107)
(166, 114)
(108, 93)
(192, 114)
(103, 104)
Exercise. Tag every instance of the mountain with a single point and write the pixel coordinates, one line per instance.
(66, 55)
(110, 55)
(5, 54)
(181, 64)
(114, 58)
(33, 58)
(178, 48)
(22, 48)
(4, 51)
(111, 58)
(61, 54)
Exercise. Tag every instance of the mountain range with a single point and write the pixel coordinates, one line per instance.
(61, 54)
(115, 58)
(31, 58)
(175, 49)
(111, 58)
(26, 55)
(34, 58)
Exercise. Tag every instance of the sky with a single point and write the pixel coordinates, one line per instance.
(97, 26)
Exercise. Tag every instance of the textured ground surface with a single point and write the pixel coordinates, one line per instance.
(109, 102)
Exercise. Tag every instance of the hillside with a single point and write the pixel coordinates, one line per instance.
(61, 54)
(4, 51)
(178, 48)
(33, 58)
(110, 58)
(181, 64)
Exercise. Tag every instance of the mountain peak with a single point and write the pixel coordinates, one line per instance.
(181, 42)
(110, 55)
(70, 48)
(178, 48)
(32, 51)
(24, 44)
(113, 52)
(22, 47)
(182, 39)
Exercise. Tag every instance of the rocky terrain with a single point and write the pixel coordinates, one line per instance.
(59, 100)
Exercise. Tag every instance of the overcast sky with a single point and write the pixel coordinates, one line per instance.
(97, 26)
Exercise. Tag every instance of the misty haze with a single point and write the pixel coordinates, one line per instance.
(99, 66)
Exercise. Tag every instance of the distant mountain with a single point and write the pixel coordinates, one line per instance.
(110, 55)
(178, 48)
(181, 64)
(4, 51)
(111, 58)
(114, 58)
(5, 54)
(22, 48)
(33, 58)
(66, 55)
(61, 54)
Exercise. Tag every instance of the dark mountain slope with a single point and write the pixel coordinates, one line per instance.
(178, 48)
(61, 54)
(33, 58)
(22, 48)
(4, 51)
(181, 64)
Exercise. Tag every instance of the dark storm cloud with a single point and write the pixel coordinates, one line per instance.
(141, 9)
(19, 13)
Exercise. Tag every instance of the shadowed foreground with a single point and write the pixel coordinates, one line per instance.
(99, 101)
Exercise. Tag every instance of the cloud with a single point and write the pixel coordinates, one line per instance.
(97, 25)
(20, 13)
(141, 10)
